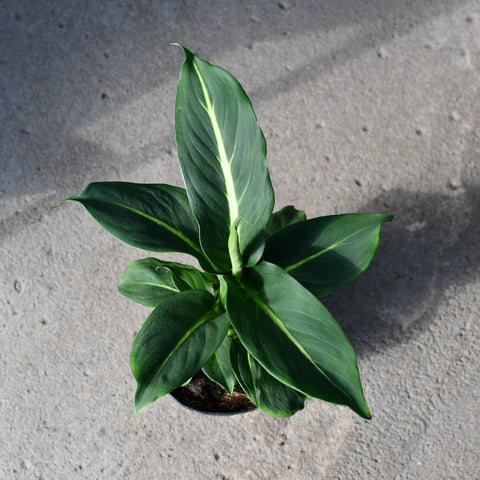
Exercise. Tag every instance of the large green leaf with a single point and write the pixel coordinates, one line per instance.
(294, 337)
(326, 253)
(178, 337)
(150, 281)
(154, 217)
(283, 218)
(222, 155)
(265, 391)
(219, 369)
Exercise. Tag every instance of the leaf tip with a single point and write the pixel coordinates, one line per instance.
(63, 201)
(139, 402)
(367, 416)
(363, 411)
(186, 51)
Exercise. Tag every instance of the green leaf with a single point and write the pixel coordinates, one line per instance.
(222, 155)
(219, 369)
(283, 218)
(294, 337)
(265, 391)
(154, 217)
(150, 281)
(147, 282)
(326, 253)
(178, 337)
(187, 277)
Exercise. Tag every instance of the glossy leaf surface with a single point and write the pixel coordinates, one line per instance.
(283, 218)
(265, 391)
(175, 341)
(294, 337)
(326, 253)
(219, 369)
(153, 217)
(222, 155)
(187, 277)
(150, 281)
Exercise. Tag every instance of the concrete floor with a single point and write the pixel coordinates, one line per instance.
(366, 106)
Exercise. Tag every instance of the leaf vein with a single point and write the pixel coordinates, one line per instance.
(278, 322)
(321, 252)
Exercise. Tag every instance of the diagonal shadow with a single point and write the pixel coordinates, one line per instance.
(70, 64)
(431, 245)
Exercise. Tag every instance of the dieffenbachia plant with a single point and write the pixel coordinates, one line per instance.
(252, 315)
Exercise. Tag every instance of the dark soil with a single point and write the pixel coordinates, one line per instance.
(206, 396)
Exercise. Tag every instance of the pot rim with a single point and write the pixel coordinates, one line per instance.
(222, 414)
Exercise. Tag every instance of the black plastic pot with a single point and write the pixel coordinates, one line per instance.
(205, 396)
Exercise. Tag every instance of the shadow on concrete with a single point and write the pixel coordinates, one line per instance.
(64, 64)
(431, 246)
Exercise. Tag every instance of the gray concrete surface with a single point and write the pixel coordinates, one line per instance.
(369, 105)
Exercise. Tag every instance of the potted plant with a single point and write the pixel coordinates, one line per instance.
(251, 317)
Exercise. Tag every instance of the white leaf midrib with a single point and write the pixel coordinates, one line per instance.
(222, 154)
